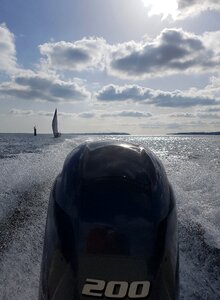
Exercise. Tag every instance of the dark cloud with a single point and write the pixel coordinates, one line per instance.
(156, 97)
(37, 87)
(116, 93)
(178, 99)
(172, 51)
(77, 56)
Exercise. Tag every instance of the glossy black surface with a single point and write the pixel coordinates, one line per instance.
(111, 217)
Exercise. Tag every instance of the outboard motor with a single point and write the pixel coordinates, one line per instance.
(111, 229)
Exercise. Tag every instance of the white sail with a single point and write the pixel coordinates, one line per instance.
(55, 125)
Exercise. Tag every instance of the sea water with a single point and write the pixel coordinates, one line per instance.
(28, 167)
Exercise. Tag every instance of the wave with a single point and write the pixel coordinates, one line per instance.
(199, 264)
(26, 179)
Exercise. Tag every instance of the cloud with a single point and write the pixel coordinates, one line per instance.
(32, 86)
(116, 114)
(180, 99)
(163, 8)
(213, 109)
(180, 9)
(191, 125)
(201, 115)
(208, 116)
(189, 8)
(83, 54)
(51, 113)
(8, 62)
(86, 115)
(182, 115)
(23, 112)
(183, 120)
(119, 93)
(159, 98)
(213, 88)
(173, 51)
(129, 114)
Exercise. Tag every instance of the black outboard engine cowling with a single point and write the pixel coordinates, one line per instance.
(111, 228)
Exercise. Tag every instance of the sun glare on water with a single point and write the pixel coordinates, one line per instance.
(162, 7)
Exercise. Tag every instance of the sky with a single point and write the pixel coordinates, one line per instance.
(138, 66)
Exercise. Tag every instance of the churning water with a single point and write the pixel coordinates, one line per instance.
(29, 166)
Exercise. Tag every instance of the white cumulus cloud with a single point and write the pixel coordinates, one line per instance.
(76, 56)
(8, 61)
(158, 98)
(180, 9)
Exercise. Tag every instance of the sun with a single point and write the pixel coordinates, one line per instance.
(162, 7)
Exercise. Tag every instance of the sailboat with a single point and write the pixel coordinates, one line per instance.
(55, 125)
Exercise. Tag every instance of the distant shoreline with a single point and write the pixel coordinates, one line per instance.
(196, 133)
